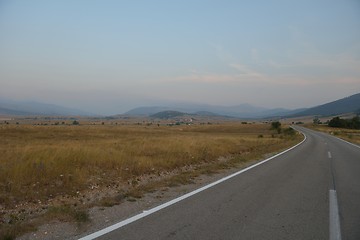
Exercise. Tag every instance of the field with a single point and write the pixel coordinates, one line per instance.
(39, 164)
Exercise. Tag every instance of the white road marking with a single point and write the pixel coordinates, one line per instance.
(334, 219)
(329, 154)
(167, 204)
(355, 145)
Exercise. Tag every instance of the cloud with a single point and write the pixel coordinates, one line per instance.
(339, 62)
(222, 54)
(244, 75)
(305, 53)
(207, 78)
(246, 71)
(303, 65)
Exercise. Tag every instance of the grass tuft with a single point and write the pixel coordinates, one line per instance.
(67, 213)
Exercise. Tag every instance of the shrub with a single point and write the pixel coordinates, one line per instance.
(316, 120)
(337, 122)
(289, 131)
(276, 126)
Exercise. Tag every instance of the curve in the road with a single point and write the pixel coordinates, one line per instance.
(167, 204)
(311, 191)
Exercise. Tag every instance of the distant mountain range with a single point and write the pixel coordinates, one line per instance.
(346, 105)
(349, 104)
(239, 111)
(22, 108)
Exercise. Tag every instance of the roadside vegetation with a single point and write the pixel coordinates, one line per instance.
(53, 168)
(350, 135)
(337, 122)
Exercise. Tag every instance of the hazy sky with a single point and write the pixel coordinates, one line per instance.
(109, 56)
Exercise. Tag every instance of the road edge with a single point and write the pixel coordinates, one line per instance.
(176, 200)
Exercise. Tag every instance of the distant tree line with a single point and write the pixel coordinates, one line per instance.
(337, 122)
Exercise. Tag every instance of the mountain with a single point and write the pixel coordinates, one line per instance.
(22, 108)
(12, 112)
(206, 113)
(146, 111)
(167, 114)
(238, 111)
(346, 105)
(174, 114)
(349, 104)
(280, 112)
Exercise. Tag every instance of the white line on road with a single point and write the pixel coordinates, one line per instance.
(167, 204)
(329, 154)
(334, 220)
(355, 145)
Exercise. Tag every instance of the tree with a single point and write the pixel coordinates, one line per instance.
(316, 120)
(337, 122)
(355, 123)
(276, 126)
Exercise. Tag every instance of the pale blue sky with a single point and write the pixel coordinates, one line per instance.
(109, 56)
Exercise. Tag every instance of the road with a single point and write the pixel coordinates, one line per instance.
(310, 192)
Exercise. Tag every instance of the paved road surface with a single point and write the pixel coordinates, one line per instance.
(289, 197)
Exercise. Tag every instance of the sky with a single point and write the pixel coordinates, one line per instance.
(107, 57)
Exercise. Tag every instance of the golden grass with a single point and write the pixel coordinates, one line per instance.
(41, 162)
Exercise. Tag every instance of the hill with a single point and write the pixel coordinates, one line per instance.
(167, 114)
(206, 113)
(238, 111)
(18, 108)
(345, 105)
(349, 104)
(146, 111)
(13, 112)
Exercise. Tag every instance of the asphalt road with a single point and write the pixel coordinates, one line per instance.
(289, 197)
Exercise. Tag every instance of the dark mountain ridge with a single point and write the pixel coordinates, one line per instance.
(349, 104)
(167, 114)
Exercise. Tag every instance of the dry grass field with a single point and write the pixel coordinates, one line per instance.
(39, 163)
